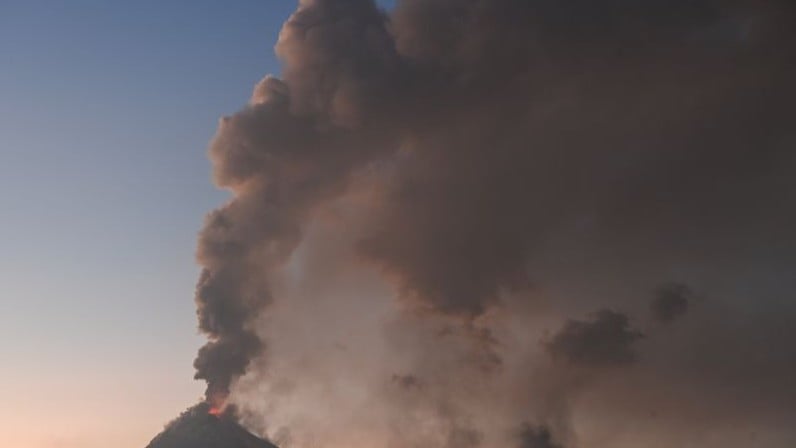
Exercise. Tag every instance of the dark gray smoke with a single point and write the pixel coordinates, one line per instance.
(531, 436)
(287, 151)
(504, 165)
(604, 339)
(671, 302)
(407, 381)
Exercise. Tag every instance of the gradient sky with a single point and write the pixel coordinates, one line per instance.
(106, 111)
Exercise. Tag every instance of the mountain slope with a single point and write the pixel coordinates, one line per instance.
(196, 428)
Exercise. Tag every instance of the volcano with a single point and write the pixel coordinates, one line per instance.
(198, 428)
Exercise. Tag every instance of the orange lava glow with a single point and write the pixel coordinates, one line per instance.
(216, 403)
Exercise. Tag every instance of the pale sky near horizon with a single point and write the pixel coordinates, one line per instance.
(105, 113)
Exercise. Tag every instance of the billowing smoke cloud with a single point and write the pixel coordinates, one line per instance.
(280, 156)
(536, 437)
(671, 302)
(426, 193)
(605, 339)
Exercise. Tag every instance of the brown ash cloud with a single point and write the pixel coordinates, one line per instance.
(531, 436)
(671, 302)
(606, 338)
(431, 190)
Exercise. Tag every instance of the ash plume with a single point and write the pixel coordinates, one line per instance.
(604, 339)
(280, 156)
(426, 192)
(536, 437)
(407, 381)
(671, 302)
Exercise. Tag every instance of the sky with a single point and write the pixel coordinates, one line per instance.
(106, 111)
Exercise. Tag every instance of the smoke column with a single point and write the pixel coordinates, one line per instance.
(485, 222)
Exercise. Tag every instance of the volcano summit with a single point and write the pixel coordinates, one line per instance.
(198, 428)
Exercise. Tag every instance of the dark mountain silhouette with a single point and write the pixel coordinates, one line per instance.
(197, 428)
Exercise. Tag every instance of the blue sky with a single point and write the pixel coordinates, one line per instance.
(106, 109)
